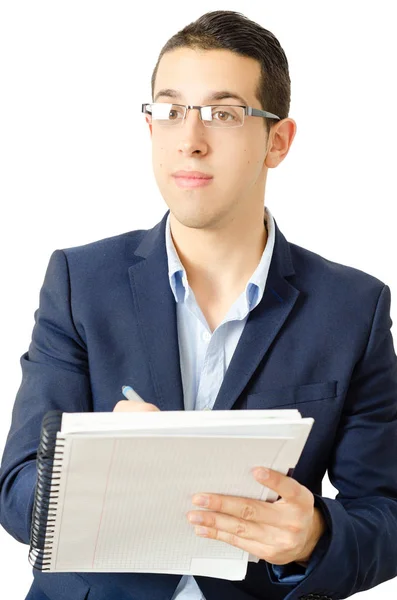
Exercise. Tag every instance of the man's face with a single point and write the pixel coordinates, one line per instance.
(234, 157)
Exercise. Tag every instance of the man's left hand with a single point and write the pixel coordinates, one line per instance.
(279, 532)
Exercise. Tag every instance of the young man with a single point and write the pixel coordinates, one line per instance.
(213, 308)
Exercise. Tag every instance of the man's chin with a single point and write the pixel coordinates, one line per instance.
(196, 221)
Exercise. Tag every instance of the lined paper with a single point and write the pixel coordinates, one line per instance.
(123, 497)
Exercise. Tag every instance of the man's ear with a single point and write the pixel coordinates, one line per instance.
(279, 141)
(150, 125)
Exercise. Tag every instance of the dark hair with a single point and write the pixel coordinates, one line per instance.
(229, 30)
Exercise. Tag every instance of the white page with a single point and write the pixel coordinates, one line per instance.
(102, 421)
(114, 493)
(110, 522)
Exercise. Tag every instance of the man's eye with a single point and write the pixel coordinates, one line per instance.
(223, 115)
(175, 113)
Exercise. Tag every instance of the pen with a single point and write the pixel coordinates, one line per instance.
(130, 394)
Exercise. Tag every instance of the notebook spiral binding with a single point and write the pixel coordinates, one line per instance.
(49, 458)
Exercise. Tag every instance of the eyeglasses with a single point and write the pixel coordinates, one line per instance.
(221, 116)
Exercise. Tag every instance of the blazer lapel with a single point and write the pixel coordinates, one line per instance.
(156, 313)
(262, 326)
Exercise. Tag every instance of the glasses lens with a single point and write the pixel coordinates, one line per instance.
(168, 114)
(223, 116)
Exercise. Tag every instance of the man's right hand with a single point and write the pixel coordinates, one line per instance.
(134, 406)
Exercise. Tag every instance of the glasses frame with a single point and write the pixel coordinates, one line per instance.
(249, 111)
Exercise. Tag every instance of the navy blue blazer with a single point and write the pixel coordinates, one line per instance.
(319, 341)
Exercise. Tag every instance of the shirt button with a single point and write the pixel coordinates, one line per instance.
(206, 336)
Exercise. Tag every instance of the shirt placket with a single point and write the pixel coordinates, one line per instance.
(212, 373)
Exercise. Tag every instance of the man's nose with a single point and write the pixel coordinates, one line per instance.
(193, 118)
(192, 132)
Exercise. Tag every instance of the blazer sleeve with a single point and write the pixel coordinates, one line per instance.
(362, 519)
(54, 377)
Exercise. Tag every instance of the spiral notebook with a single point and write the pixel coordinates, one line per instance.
(113, 489)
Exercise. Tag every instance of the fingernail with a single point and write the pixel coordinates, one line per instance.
(261, 473)
(201, 500)
(196, 518)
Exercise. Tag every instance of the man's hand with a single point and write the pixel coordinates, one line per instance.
(134, 406)
(279, 532)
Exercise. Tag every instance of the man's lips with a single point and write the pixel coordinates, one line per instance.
(191, 175)
(191, 180)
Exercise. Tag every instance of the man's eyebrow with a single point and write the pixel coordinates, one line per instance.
(222, 95)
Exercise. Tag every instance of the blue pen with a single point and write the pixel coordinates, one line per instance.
(130, 394)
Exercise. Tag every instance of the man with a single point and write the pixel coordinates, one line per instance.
(213, 308)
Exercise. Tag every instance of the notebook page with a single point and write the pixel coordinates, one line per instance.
(102, 421)
(123, 502)
(264, 428)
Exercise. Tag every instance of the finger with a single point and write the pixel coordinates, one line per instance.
(134, 406)
(265, 514)
(251, 546)
(246, 509)
(278, 554)
(220, 522)
(289, 489)
(229, 531)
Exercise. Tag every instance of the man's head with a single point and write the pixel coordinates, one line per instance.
(221, 51)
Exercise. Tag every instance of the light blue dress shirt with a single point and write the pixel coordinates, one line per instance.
(205, 355)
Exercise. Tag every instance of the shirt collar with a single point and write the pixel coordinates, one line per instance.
(256, 284)
(176, 271)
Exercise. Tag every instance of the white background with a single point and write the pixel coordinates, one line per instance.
(75, 154)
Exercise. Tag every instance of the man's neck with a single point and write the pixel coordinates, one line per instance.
(220, 262)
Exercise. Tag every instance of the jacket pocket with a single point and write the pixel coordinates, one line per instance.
(292, 395)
